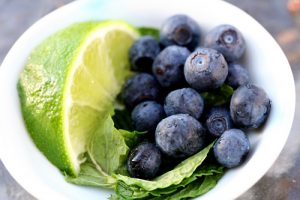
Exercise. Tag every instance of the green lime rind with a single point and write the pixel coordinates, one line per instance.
(41, 88)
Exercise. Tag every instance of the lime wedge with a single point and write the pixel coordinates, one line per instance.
(69, 84)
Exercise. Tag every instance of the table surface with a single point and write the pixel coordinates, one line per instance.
(282, 181)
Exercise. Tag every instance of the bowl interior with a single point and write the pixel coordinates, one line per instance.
(267, 64)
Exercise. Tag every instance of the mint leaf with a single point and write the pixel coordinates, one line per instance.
(90, 176)
(132, 138)
(122, 122)
(108, 148)
(202, 171)
(107, 154)
(124, 191)
(154, 32)
(218, 97)
(194, 189)
(122, 119)
(174, 177)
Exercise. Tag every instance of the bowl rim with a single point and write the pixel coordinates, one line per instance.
(27, 34)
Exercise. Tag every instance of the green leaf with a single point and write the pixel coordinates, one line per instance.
(107, 154)
(108, 148)
(90, 176)
(195, 188)
(154, 32)
(134, 192)
(122, 119)
(202, 171)
(114, 197)
(128, 192)
(174, 177)
(132, 138)
(218, 97)
(122, 170)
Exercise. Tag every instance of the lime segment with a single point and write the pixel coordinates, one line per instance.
(69, 84)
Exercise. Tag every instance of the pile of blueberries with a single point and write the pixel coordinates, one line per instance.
(164, 96)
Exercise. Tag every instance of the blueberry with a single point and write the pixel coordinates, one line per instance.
(138, 88)
(218, 120)
(146, 115)
(180, 30)
(184, 101)
(180, 136)
(205, 69)
(144, 161)
(231, 148)
(237, 75)
(143, 52)
(227, 40)
(249, 106)
(168, 66)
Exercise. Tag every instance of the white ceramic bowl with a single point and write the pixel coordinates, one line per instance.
(268, 66)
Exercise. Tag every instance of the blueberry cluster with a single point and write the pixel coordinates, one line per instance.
(165, 95)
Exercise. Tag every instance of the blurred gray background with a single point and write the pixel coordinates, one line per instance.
(282, 182)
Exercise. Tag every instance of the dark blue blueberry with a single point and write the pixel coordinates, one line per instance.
(237, 75)
(184, 101)
(146, 115)
(231, 148)
(227, 40)
(143, 52)
(168, 66)
(144, 161)
(138, 88)
(205, 69)
(180, 136)
(180, 30)
(249, 106)
(218, 120)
